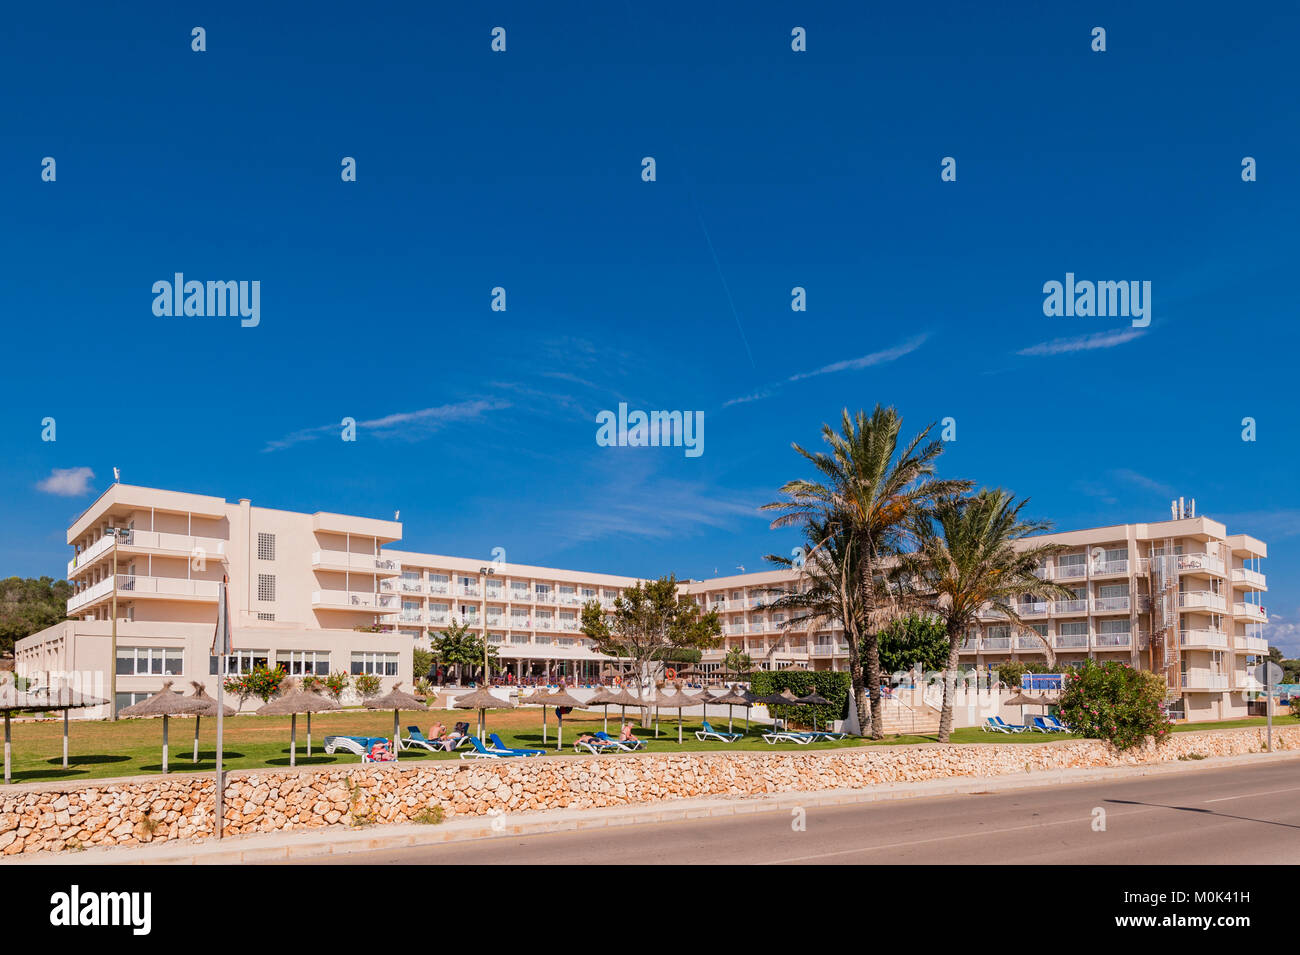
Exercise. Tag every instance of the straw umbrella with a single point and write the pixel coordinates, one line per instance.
(1023, 699)
(65, 699)
(482, 700)
(675, 702)
(557, 699)
(11, 701)
(396, 700)
(209, 710)
(292, 701)
(166, 704)
(732, 699)
(623, 699)
(814, 699)
(603, 697)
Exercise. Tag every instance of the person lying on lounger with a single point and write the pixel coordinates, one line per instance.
(451, 740)
(379, 753)
(588, 738)
(625, 735)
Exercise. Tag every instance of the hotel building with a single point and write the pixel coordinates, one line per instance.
(324, 592)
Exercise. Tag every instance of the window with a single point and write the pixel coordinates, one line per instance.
(304, 662)
(266, 616)
(240, 661)
(149, 661)
(265, 546)
(1112, 590)
(379, 664)
(1113, 626)
(266, 586)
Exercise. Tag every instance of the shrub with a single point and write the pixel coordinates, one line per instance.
(429, 816)
(367, 684)
(1294, 703)
(916, 638)
(336, 683)
(832, 684)
(1009, 673)
(311, 684)
(1114, 702)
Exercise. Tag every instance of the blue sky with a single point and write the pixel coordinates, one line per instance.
(522, 170)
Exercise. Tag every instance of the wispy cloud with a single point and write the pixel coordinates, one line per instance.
(1141, 480)
(866, 361)
(1062, 346)
(67, 482)
(410, 425)
(849, 364)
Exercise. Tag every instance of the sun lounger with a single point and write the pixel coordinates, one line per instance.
(628, 745)
(353, 744)
(500, 747)
(786, 737)
(708, 733)
(596, 746)
(999, 725)
(478, 751)
(415, 738)
(1052, 724)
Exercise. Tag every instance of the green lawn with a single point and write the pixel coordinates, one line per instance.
(134, 747)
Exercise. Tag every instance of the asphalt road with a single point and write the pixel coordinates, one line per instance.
(1223, 816)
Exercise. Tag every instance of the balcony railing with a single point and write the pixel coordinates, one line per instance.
(1250, 578)
(1036, 609)
(521, 596)
(214, 547)
(1252, 644)
(362, 563)
(1205, 681)
(1102, 568)
(1249, 611)
(356, 600)
(1070, 606)
(1110, 604)
(1071, 641)
(1209, 639)
(1200, 562)
(996, 643)
(1109, 640)
(1194, 599)
(518, 622)
(1069, 571)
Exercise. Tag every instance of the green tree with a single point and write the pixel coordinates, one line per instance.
(650, 623)
(738, 661)
(917, 638)
(1114, 702)
(422, 661)
(29, 605)
(971, 557)
(460, 647)
(857, 521)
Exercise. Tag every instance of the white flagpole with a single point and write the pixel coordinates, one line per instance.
(219, 645)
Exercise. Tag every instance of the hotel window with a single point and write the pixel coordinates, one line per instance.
(265, 546)
(1074, 563)
(303, 662)
(588, 593)
(543, 591)
(149, 661)
(240, 661)
(438, 583)
(130, 699)
(266, 586)
(1112, 590)
(1119, 553)
(378, 664)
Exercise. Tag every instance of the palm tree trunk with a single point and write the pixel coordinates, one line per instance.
(872, 676)
(949, 686)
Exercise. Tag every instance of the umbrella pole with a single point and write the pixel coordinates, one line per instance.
(394, 732)
(164, 742)
(6, 747)
(559, 730)
(543, 724)
(309, 734)
(293, 739)
(197, 720)
(679, 726)
(65, 739)
(606, 719)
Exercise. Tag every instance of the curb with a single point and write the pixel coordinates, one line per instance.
(314, 844)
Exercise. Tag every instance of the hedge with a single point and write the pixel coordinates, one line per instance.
(832, 684)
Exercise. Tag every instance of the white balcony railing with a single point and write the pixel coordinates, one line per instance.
(1249, 611)
(208, 547)
(356, 600)
(1101, 568)
(1247, 577)
(1035, 609)
(1069, 571)
(1071, 641)
(362, 563)
(997, 643)
(1111, 640)
(1110, 604)
(1200, 562)
(1070, 606)
(1194, 680)
(519, 595)
(90, 594)
(1208, 639)
(1201, 599)
(1252, 645)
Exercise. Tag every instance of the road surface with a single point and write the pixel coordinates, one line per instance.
(1245, 815)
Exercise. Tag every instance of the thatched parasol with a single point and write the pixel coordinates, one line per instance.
(676, 702)
(482, 700)
(557, 699)
(1023, 699)
(733, 698)
(621, 698)
(293, 700)
(396, 700)
(166, 704)
(210, 710)
(603, 697)
(65, 698)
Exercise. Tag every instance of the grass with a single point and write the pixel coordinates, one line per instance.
(98, 750)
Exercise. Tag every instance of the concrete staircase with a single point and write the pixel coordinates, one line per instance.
(904, 720)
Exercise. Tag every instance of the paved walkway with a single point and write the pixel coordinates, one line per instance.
(315, 843)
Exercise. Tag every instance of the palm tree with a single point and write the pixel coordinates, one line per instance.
(461, 647)
(738, 661)
(858, 520)
(968, 560)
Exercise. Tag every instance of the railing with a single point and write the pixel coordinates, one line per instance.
(154, 540)
(438, 620)
(463, 591)
(363, 563)
(1251, 611)
(570, 600)
(1201, 598)
(1071, 641)
(1101, 568)
(1203, 638)
(1070, 571)
(90, 594)
(439, 588)
(521, 623)
(521, 596)
(1206, 562)
(996, 643)
(91, 552)
(411, 587)
(1035, 609)
(1243, 575)
(1026, 642)
(1205, 681)
(1252, 644)
(545, 598)
(1103, 640)
(354, 600)
(1104, 604)
(1070, 606)
(411, 616)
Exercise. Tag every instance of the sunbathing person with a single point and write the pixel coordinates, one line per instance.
(625, 735)
(436, 731)
(450, 741)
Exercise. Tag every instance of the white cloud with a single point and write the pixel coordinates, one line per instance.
(1062, 346)
(866, 361)
(411, 425)
(67, 482)
(1141, 480)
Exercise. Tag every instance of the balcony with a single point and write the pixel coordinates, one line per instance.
(996, 643)
(1203, 639)
(1111, 641)
(411, 616)
(355, 563)
(830, 650)
(133, 586)
(439, 587)
(1111, 604)
(1036, 609)
(1201, 600)
(1069, 571)
(1210, 682)
(1244, 577)
(355, 600)
(468, 591)
(1200, 563)
(213, 547)
(545, 597)
(1110, 568)
(570, 600)
(438, 620)
(1252, 645)
(1071, 641)
(519, 622)
(521, 596)
(411, 587)
(1070, 607)
(1252, 612)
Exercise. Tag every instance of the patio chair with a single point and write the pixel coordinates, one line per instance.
(501, 747)
(817, 735)
(708, 733)
(415, 738)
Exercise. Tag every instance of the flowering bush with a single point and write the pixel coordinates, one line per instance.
(367, 685)
(311, 684)
(335, 684)
(1114, 702)
(261, 682)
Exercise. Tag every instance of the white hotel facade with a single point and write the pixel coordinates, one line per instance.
(323, 592)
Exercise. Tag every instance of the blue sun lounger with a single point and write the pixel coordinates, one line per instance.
(478, 751)
(501, 747)
(628, 745)
(361, 745)
(708, 733)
